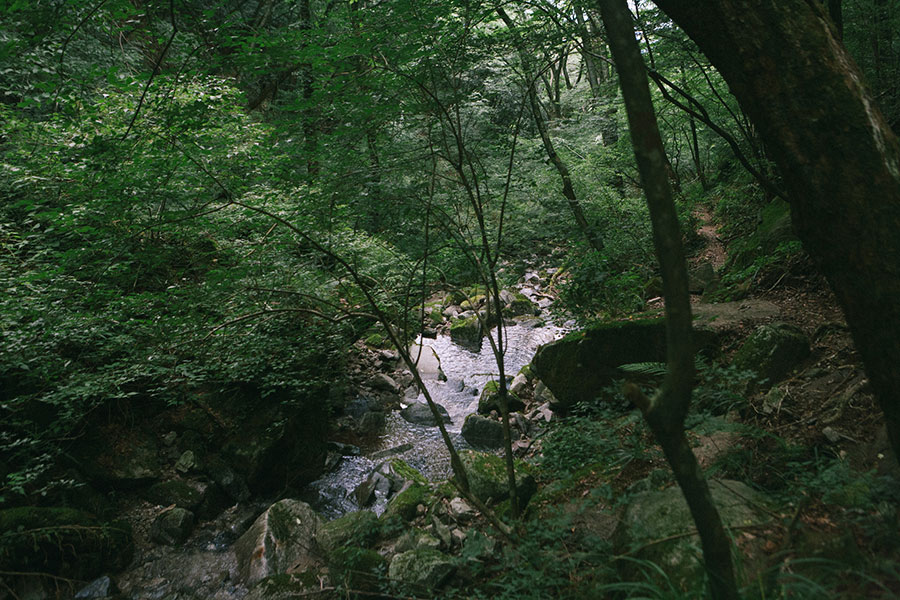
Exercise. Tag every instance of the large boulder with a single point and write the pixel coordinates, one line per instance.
(482, 432)
(772, 351)
(282, 538)
(425, 567)
(62, 541)
(274, 441)
(467, 333)
(657, 526)
(419, 413)
(488, 481)
(490, 399)
(577, 367)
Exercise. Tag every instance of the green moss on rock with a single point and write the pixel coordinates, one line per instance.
(576, 367)
(488, 481)
(490, 399)
(404, 504)
(353, 529)
(404, 470)
(467, 333)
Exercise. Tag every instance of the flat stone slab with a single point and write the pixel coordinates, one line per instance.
(725, 315)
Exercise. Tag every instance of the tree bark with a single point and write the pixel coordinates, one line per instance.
(839, 158)
(666, 412)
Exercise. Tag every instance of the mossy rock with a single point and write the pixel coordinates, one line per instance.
(63, 541)
(655, 524)
(490, 399)
(356, 568)
(576, 367)
(377, 340)
(488, 481)
(772, 351)
(360, 528)
(405, 504)
(482, 432)
(468, 333)
(473, 302)
(521, 305)
(402, 469)
(176, 491)
(424, 567)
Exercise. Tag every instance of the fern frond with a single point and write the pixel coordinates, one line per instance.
(645, 369)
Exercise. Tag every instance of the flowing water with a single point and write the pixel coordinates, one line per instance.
(204, 567)
(422, 447)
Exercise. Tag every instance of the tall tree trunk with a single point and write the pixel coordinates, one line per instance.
(666, 411)
(587, 54)
(839, 159)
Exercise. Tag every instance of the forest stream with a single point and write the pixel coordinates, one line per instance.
(205, 565)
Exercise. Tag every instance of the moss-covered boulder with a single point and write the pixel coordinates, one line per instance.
(282, 538)
(490, 399)
(577, 367)
(62, 541)
(657, 526)
(472, 302)
(360, 529)
(772, 351)
(482, 432)
(404, 504)
(467, 332)
(488, 481)
(424, 567)
(275, 440)
(520, 305)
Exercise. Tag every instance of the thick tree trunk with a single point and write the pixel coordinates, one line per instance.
(839, 159)
(665, 413)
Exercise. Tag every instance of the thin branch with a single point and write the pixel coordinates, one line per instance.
(156, 68)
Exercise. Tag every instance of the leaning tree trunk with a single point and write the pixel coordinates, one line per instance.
(839, 159)
(666, 411)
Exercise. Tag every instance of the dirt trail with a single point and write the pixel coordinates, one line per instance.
(713, 250)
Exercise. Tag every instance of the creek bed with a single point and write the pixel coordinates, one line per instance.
(422, 447)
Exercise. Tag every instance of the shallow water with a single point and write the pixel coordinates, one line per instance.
(467, 372)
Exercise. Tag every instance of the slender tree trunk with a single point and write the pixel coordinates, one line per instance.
(590, 234)
(698, 159)
(666, 411)
(839, 159)
(308, 117)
